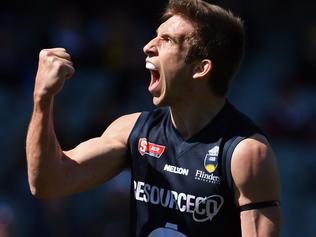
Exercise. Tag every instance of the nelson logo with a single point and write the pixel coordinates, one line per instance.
(151, 149)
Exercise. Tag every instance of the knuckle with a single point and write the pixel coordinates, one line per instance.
(51, 59)
(44, 53)
(57, 63)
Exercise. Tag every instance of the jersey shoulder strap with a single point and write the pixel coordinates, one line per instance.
(227, 154)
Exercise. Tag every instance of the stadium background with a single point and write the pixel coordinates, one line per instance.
(276, 87)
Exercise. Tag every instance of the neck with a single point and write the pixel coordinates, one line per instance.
(190, 117)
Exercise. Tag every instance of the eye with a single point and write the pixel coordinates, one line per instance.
(167, 39)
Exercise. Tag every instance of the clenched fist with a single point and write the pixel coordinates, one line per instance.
(54, 68)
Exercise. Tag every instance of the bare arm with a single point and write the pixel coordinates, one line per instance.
(256, 180)
(51, 171)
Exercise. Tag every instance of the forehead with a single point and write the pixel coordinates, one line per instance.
(176, 25)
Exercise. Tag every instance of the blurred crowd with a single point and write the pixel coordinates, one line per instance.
(276, 87)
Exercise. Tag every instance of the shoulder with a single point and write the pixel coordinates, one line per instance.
(122, 126)
(254, 171)
(153, 117)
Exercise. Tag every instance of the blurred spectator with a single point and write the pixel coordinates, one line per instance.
(7, 220)
(290, 118)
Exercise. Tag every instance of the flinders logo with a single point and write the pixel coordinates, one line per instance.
(210, 165)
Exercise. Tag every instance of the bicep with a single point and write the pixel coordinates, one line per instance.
(93, 162)
(256, 180)
(98, 159)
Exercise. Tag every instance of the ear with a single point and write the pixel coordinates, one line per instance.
(203, 68)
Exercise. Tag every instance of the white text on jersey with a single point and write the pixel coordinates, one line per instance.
(176, 170)
(202, 208)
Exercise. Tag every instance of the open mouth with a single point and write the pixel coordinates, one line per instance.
(155, 76)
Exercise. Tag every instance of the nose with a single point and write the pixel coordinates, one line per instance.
(150, 48)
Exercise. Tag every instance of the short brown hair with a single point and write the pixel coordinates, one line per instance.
(218, 36)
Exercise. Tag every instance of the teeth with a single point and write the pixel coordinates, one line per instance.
(150, 66)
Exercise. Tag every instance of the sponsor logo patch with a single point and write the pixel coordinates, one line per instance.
(205, 177)
(176, 170)
(210, 165)
(151, 149)
(202, 208)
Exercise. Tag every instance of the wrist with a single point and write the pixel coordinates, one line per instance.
(42, 99)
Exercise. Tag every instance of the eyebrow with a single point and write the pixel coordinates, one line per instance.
(176, 39)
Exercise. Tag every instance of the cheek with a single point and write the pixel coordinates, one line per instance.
(173, 66)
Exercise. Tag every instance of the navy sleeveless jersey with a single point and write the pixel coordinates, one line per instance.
(184, 187)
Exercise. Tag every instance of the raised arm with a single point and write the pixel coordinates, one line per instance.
(51, 171)
(257, 188)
